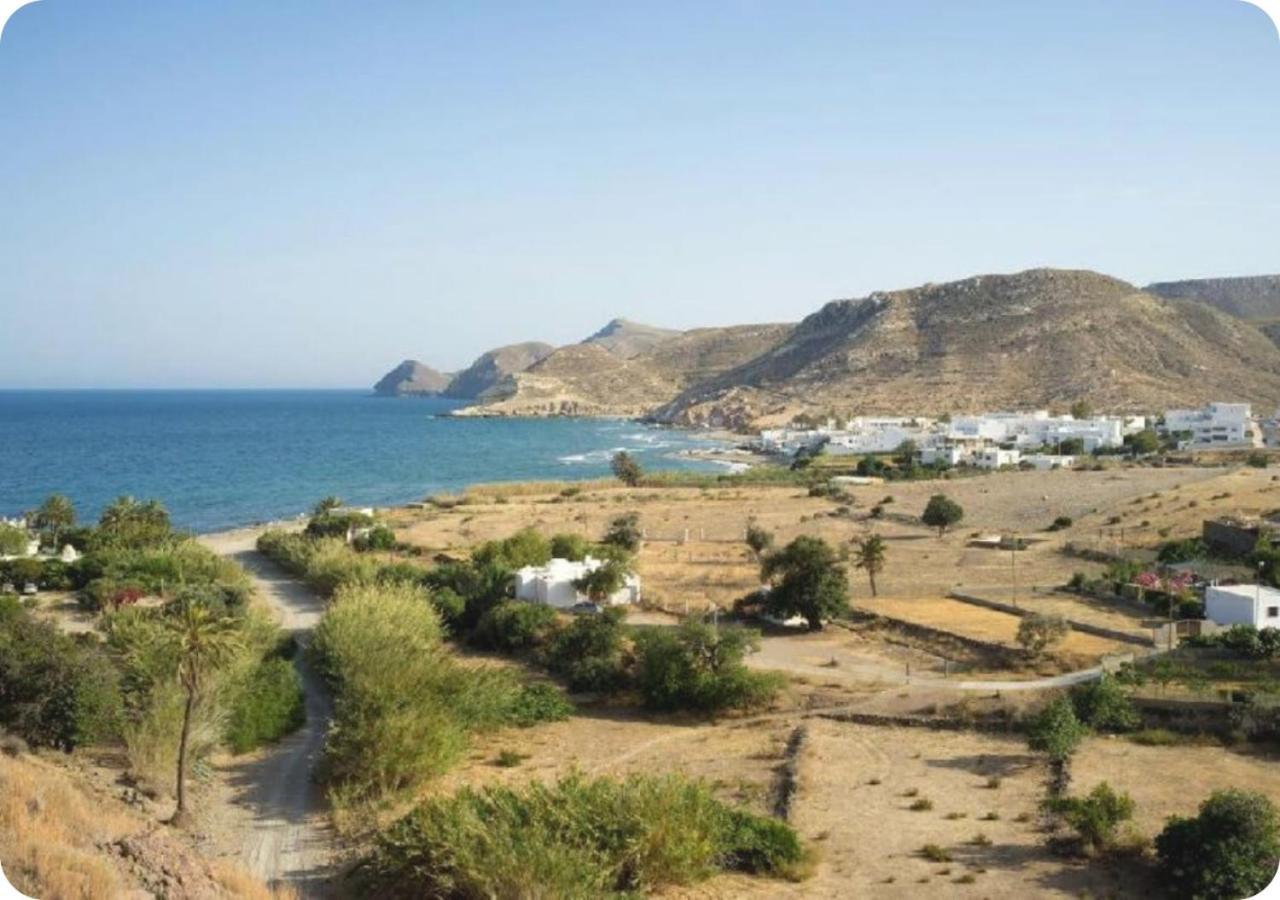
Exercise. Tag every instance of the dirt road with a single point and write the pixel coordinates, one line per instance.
(281, 813)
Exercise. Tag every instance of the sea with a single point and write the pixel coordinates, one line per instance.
(224, 459)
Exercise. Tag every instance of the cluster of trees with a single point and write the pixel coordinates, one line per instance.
(1243, 641)
(198, 668)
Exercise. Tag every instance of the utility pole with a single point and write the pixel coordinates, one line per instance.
(1013, 567)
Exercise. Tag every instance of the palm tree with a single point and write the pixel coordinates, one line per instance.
(326, 506)
(204, 643)
(54, 517)
(870, 556)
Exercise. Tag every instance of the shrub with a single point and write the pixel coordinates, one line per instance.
(1060, 523)
(1055, 730)
(379, 537)
(1182, 551)
(55, 691)
(509, 759)
(575, 838)
(266, 706)
(1096, 817)
(570, 546)
(1258, 459)
(527, 547)
(1038, 632)
(514, 626)
(13, 540)
(1230, 850)
(1104, 706)
(624, 532)
(696, 666)
(921, 805)
(536, 703)
(588, 653)
(936, 853)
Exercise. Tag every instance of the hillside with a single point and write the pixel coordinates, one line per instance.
(628, 339)
(1038, 338)
(1254, 298)
(411, 378)
(492, 367)
(589, 379)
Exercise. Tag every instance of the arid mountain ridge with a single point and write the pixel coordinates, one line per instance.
(1044, 337)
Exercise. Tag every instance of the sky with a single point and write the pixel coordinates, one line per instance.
(302, 193)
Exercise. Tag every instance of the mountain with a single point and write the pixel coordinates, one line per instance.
(411, 378)
(629, 339)
(1039, 338)
(490, 368)
(596, 377)
(1253, 298)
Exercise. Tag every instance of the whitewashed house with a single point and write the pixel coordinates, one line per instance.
(1043, 462)
(1242, 604)
(552, 584)
(996, 458)
(1214, 425)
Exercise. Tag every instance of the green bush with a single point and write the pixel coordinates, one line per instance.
(539, 702)
(514, 626)
(698, 667)
(570, 546)
(55, 691)
(588, 653)
(527, 547)
(1230, 850)
(576, 838)
(1096, 817)
(379, 537)
(265, 706)
(1104, 706)
(624, 532)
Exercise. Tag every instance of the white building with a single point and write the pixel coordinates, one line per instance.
(1214, 425)
(552, 584)
(996, 458)
(1043, 462)
(1243, 604)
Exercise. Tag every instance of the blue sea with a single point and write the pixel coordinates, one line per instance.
(221, 459)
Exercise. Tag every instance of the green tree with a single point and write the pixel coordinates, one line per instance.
(1037, 632)
(1096, 817)
(624, 532)
(697, 666)
(588, 653)
(604, 581)
(570, 546)
(626, 469)
(1081, 409)
(1104, 706)
(13, 540)
(1229, 851)
(55, 516)
(204, 643)
(869, 555)
(759, 541)
(1142, 443)
(326, 506)
(941, 512)
(1056, 732)
(128, 523)
(905, 456)
(807, 580)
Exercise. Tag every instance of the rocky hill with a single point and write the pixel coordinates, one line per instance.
(411, 378)
(602, 377)
(1039, 338)
(1253, 298)
(628, 339)
(492, 367)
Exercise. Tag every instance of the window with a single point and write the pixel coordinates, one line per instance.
(1273, 612)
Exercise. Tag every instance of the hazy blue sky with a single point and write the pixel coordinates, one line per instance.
(249, 193)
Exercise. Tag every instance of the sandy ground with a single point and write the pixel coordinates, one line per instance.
(278, 815)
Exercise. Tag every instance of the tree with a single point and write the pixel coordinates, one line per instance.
(626, 469)
(905, 456)
(807, 580)
(1056, 732)
(129, 523)
(604, 581)
(204, 643)
(1096, 817)
(1081, 409)
(326, 506)
(1104, 706)
(870, 555)
(13, 540)
(1230, 850)
(759, 541)
(941, 513)
(624, 532)
(55, 516)
(570, 546)
(697, 666)
(1142, 443)
(1038, 632)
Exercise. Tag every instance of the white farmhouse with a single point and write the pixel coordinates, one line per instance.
(1214, 425)
(1243, 604)
(1043, 462)
(996, 458)
(552, 584)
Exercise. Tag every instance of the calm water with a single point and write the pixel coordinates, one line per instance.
(218, 459)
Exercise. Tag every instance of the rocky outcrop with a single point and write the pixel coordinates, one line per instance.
(491, 368)
(629, 339)
(411, 378)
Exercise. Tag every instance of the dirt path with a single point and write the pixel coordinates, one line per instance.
(281, 813)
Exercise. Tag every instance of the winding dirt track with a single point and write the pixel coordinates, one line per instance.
(287, 837)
